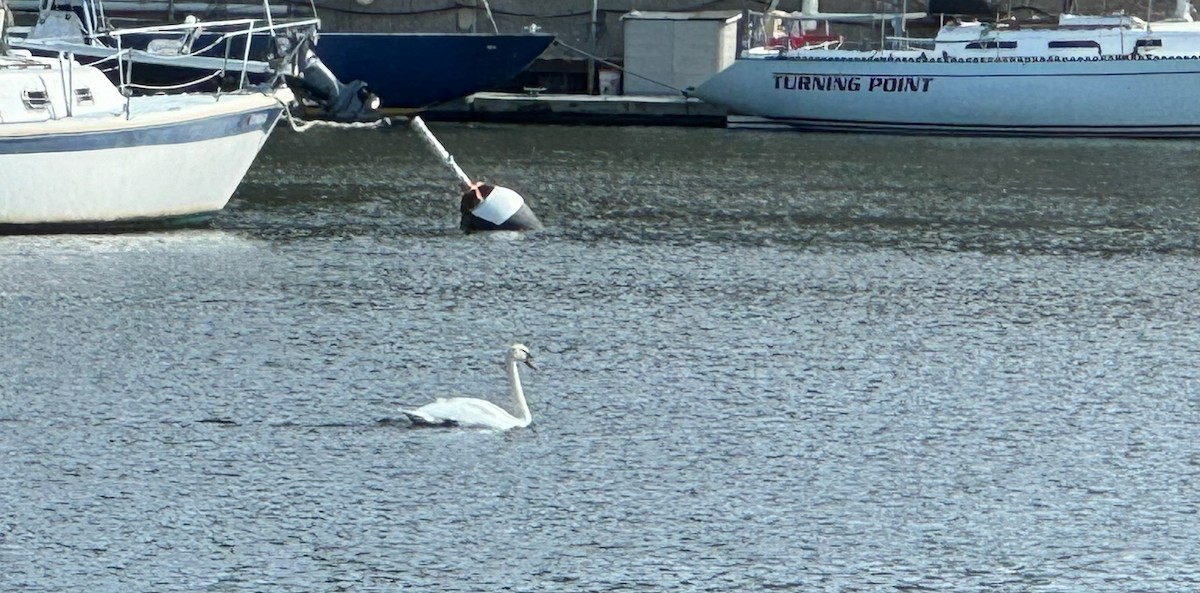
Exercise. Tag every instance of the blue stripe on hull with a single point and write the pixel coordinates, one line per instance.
(210, 128)
(818, 125)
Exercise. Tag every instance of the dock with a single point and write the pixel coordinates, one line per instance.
(534, 106)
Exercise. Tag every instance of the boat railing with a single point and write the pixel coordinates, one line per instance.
(230, 48)
(778, 32)
(781, 31)
(752, 31)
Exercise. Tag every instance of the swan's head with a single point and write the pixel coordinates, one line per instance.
(520, 353)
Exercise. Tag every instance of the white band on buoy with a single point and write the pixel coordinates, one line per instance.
(499, 206)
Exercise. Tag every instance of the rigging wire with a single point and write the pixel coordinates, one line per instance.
(619, 67)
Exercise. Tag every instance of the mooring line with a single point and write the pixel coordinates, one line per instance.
(301, 125)
(619, 67)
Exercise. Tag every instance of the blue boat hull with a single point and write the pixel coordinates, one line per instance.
(411, 71)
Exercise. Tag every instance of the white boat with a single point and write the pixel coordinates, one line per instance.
(76, 153)
(197, 55)
(1114, 75)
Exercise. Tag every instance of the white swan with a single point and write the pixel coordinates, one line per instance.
(478, 413)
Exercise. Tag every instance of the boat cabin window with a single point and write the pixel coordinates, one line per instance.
(992, 45)
(84, 96)
(1149, 43)
(35, 100)
(1088, 44)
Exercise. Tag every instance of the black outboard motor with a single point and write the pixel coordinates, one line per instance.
(338, 101)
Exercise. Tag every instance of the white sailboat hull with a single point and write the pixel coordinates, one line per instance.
(157, 165)
(1151, 97)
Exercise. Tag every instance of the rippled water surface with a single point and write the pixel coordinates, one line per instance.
(768, 361)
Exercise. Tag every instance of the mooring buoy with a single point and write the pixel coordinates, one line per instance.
(484, 207)
(490, 208)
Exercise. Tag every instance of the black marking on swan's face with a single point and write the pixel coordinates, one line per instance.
(521, 353)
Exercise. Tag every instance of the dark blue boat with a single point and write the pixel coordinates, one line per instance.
(411, 71)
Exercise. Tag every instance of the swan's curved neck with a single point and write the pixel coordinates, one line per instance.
(518, 394)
